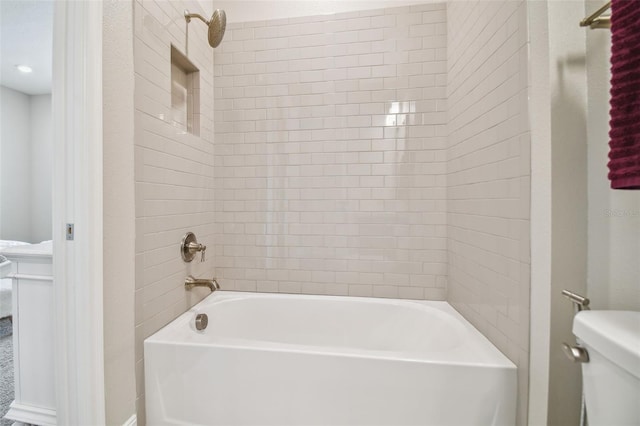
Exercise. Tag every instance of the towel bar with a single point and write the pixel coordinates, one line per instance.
(596, 20)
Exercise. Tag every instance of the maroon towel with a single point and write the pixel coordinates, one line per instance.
(624, 156)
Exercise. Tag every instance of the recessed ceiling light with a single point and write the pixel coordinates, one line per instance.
(24, 68)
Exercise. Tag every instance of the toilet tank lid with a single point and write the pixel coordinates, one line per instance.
(615, 334)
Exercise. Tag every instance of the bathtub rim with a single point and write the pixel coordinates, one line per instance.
(492, 357)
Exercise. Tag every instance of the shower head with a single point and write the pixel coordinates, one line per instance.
(217, 25)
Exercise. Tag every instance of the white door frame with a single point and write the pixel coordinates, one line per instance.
(77, 199)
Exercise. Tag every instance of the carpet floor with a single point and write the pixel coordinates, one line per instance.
(6, 369)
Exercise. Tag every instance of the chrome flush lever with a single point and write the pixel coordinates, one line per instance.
(579, 302)
(576, 353)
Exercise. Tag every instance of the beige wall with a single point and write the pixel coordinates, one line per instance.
(595, 229)
(15, 162)
(594, 246)
(540, 95)
(173, 170)
(25, 166)
(569, 201)
(559, 103)
(119, 214)
(488, 175)
(41, 167)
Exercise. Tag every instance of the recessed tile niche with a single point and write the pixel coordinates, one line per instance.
(185, 93)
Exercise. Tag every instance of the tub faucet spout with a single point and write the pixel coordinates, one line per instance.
(191, 282)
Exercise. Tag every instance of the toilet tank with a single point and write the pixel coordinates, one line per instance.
(611, 378)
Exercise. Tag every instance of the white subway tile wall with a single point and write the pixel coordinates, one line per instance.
(330, 154)
(173, 170)
(380, 153)
(488, 175)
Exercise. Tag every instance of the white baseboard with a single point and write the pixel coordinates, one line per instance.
(30, 414)
(131, 421)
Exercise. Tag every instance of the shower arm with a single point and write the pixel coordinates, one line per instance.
(188, 17)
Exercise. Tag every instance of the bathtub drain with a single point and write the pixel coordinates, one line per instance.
(202, 320)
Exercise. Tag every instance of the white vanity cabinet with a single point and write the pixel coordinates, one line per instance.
(32, 275)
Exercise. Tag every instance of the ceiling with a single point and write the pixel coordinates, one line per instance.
(26, 34)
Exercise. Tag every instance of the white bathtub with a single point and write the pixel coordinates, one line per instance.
(275, 359)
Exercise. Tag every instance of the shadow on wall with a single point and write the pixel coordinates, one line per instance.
(569, 231)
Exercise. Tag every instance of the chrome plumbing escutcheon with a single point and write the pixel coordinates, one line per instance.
(190, 246)
(202, 320)
(575, 353)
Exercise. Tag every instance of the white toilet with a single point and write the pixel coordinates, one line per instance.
(611, 376)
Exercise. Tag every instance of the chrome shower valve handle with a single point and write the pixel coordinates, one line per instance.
(196, 247)
(190, 246)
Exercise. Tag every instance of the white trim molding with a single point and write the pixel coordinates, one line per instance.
(29, 414)
(540, 117)
(77, 198)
